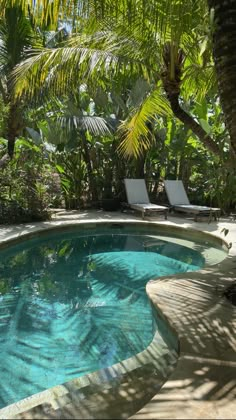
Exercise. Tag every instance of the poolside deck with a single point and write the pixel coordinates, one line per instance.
(203, 384)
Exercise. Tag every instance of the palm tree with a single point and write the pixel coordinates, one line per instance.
(183, 24)
(136, 45)
(224, 31)
(74, 118)
(16, 36)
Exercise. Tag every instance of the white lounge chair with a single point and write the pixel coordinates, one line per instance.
(138, 199)
(179, 201)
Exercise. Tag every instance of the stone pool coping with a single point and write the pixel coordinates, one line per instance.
(202, 385)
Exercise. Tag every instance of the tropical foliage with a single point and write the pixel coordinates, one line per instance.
(95, 91)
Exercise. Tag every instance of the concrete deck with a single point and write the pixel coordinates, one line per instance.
(203, 384)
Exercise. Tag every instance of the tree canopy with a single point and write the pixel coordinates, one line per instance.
(108, 80)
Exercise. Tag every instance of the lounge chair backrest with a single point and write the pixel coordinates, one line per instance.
(176, 193)
(136, 191)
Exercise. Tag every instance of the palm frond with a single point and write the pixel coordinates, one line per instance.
(16, 35)
(56, 70)
(134, 132)
(93, 124)
(138, 92)
(198, 81)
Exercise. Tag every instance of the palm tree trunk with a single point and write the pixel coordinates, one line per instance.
(189, 122)
(224, 36)
(172, 82)
(92, 179)
(14, 128)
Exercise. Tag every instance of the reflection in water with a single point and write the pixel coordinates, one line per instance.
(74, 304)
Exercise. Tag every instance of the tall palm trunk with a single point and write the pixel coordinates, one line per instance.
(92, 179)
(224, 36)
(171, 83)
(14, 128)
(189, 122)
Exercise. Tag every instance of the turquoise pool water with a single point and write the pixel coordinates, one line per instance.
(74, 303)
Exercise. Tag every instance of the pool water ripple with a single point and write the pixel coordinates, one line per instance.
(71, 304)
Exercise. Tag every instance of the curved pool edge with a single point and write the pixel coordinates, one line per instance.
(114, 392)
(103, 394)
(195, 308)
(40, 229)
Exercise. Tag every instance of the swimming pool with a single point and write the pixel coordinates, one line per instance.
(74, 302)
